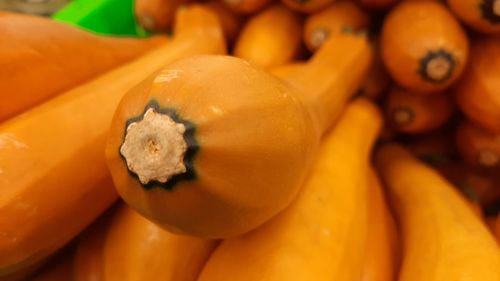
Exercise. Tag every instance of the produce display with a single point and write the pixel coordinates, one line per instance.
(254, 140)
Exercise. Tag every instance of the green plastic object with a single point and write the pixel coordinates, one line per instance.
(107, 17)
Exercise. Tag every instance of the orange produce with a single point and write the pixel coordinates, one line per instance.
(42, 58)
(156, 15)
(442, 237)
(323, 234)
(378, 4)
(497, 229)
(289, 69)
(341, 16)
(423, 47)
(230, 134)
(477, 146)
(247, 6)
(377, 81)
(270, 38)
(230, 21)
(481, 15)
(382, 249)
(136, 249)
(478, 91)
(59, 146)
(412, 113)
(307, 6)
(434, 147)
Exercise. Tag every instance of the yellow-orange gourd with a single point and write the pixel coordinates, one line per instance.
(54, 179)
(196, 147)
(481, 15)
(477, 146)
(442, 237)
(231, 22)
(270, 38)
(246, 6)
(423, 46)
(323, 234)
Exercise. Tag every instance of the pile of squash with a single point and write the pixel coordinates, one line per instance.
(351, 140)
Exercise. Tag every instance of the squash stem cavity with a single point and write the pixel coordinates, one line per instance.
(403, 115)
(158, 147)
(437, 67)
(488, 158)
(490, 10)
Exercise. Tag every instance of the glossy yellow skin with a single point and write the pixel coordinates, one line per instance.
(323, 234)
(59, 146)
(443, 239)
(136, 249)
(470, 13)
(270, 38)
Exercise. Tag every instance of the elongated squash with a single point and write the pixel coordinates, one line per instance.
(412, 113)
(41, 58)
(197, 147)
(323, 234)
(478, 91)
(230, 21)
(477, 146)
(54, 178)
(341, 16)
(481, 15)
(136, 249)
(247, 6)
(307, 6)
(377, 81)
(382, 249)
(378, 4)
(442, 238)
(270, 38)
(423, 46)
(156, 15)
(289, 69)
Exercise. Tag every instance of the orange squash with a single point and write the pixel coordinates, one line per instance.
(478, 91)
(423, 46)
(323, 234)
(136, 249)
(382, 249)
(307, 6)
(270, 38)
(377, 81)
(497, 229)
(411, 113)
(378, 4)
(481, 15)
(233, 135)
(442, 237)
(477, 146)
(59, 146)
(156, 15)
(288, 69)
(231, 22)
(341, 16)
(42, 58)
(247, 6)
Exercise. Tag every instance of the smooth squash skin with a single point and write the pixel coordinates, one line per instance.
(136, 249)
(423, 46)
(247, 6)
(59, 146)
(442, 237)
(378, 4)
(377, 80)
(270, 38)
(411, 113)
(477, 146)
(481, 15)
(341, 16)
(231, 22)
(42, 58)
(307, 6)
(382, 249)
(323, 234)
(478, 91)
(230, 134)
(156, 15)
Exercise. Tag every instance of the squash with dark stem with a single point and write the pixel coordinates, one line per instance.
(481, 15)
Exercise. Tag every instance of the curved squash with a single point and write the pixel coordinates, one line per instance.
(230, 22)
(52, 145)
(478, 91)
(481, 15)
(382, 248)
(230, 134)
(341, 16)
(477, 146)
(270, 38)
(412, 113)
(423, 46)
(378, 4)
(136, 249)
(307, 6)
(322, 235)
(36, 68)
(156, 15)
(247, 6)
(442, 238)
(289, 69)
